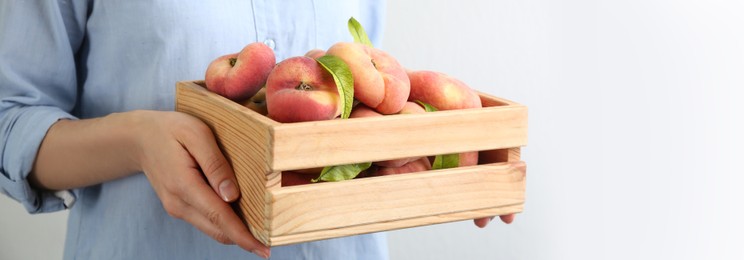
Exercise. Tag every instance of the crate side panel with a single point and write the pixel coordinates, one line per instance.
(334, 142)
(324, 206)
(394, 224)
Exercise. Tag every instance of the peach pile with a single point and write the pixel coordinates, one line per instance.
(301, 89)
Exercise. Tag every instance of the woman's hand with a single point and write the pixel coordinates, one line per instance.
(177, 153)
(192, 178)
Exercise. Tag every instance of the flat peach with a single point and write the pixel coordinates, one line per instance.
(299, 89)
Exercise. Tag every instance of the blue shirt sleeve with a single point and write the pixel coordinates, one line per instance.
(36, 89)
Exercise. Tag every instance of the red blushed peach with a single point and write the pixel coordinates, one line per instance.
(444, 93)
(422, 164)
(315, 53)
(240, 75)
(441, 91)
(299, 89)
(468, 159)
(380, 82)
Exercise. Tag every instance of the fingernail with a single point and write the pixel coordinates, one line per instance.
(228, 191)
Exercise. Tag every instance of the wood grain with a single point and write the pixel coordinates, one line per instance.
(259, 148)
(326, 206)
(356, 140)
(245, 140)
(395, 224)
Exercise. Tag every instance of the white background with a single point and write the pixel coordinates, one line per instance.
(635, 127)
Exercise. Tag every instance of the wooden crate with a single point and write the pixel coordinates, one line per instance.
(259, 149)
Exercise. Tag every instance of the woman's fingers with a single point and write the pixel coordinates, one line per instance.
(483, 222)
(202, 223)
(219, 213)
(192, 178)
(203, 148)
(507, 218)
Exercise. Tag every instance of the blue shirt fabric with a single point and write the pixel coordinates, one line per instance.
(85, 58)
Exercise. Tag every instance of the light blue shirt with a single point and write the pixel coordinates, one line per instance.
(83, 59)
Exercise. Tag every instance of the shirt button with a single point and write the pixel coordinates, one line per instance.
(270, 43)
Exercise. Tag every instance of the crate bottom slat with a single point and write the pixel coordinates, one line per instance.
(400, 201)
(394, 225)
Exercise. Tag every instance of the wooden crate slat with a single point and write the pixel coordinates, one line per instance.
(328, 205)
(395, 224)
(398, 136)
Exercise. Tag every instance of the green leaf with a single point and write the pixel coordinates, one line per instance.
(357, 31)
(427, 107)
(342, 172)
(344, 81)
(446, 161)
